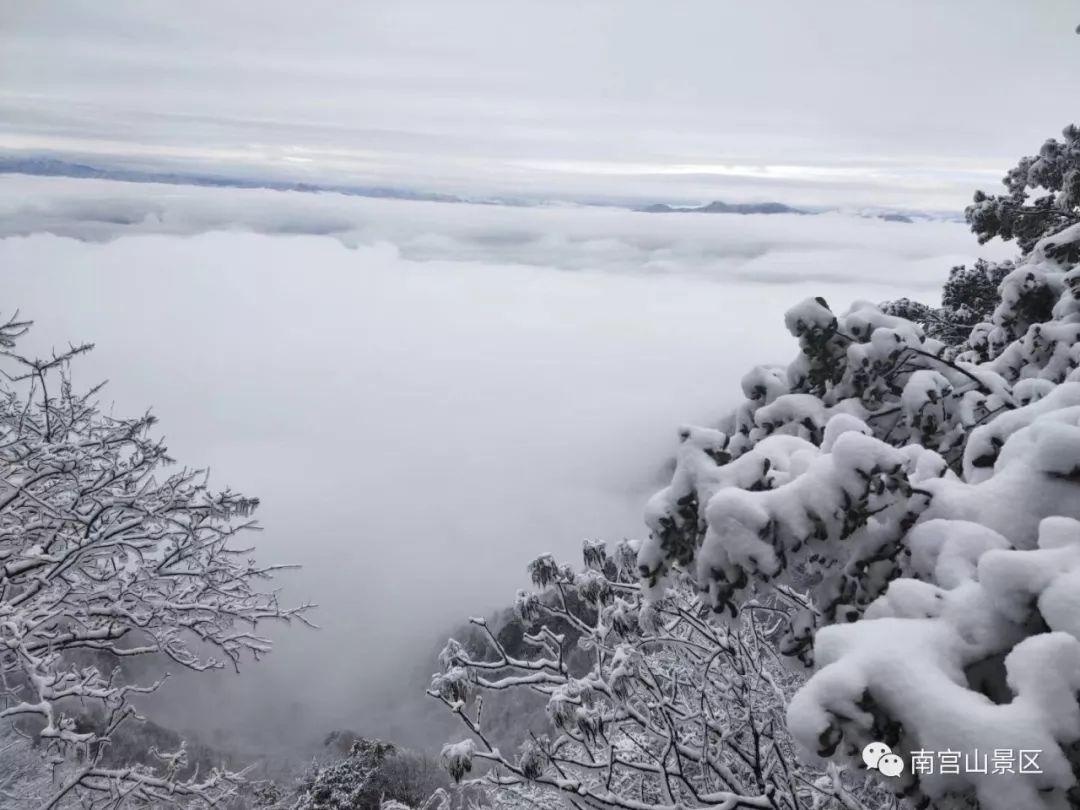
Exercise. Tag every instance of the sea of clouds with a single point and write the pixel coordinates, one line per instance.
(424, 395)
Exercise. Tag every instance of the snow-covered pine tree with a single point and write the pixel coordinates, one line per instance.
(908, 506)
(108, 558)
(926, 502)
(374, 775)
(1053, 176)
(969, 297)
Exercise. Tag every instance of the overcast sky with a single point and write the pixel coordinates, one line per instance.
(900, 103)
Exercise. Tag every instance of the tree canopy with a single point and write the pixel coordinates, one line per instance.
(109, 554)
(1042, 196)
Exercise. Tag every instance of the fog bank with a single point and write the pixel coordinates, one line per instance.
(424, 396)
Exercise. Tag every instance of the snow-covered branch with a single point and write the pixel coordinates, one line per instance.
(925, 498)
(651, 705)
(106, 555)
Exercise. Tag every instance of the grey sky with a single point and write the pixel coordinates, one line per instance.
(902, 103)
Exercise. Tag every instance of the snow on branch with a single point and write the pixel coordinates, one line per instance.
(108, 554)
(650, 706)
(913, 505)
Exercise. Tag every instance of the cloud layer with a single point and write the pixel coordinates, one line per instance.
(423, 395)
(760, 249)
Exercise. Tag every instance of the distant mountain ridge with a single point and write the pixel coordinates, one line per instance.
(52, 167)
(718, 207)
(43, 166)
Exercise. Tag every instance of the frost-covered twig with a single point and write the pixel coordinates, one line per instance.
(107, 556)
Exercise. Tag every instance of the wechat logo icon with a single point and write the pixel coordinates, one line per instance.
(878, 756)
